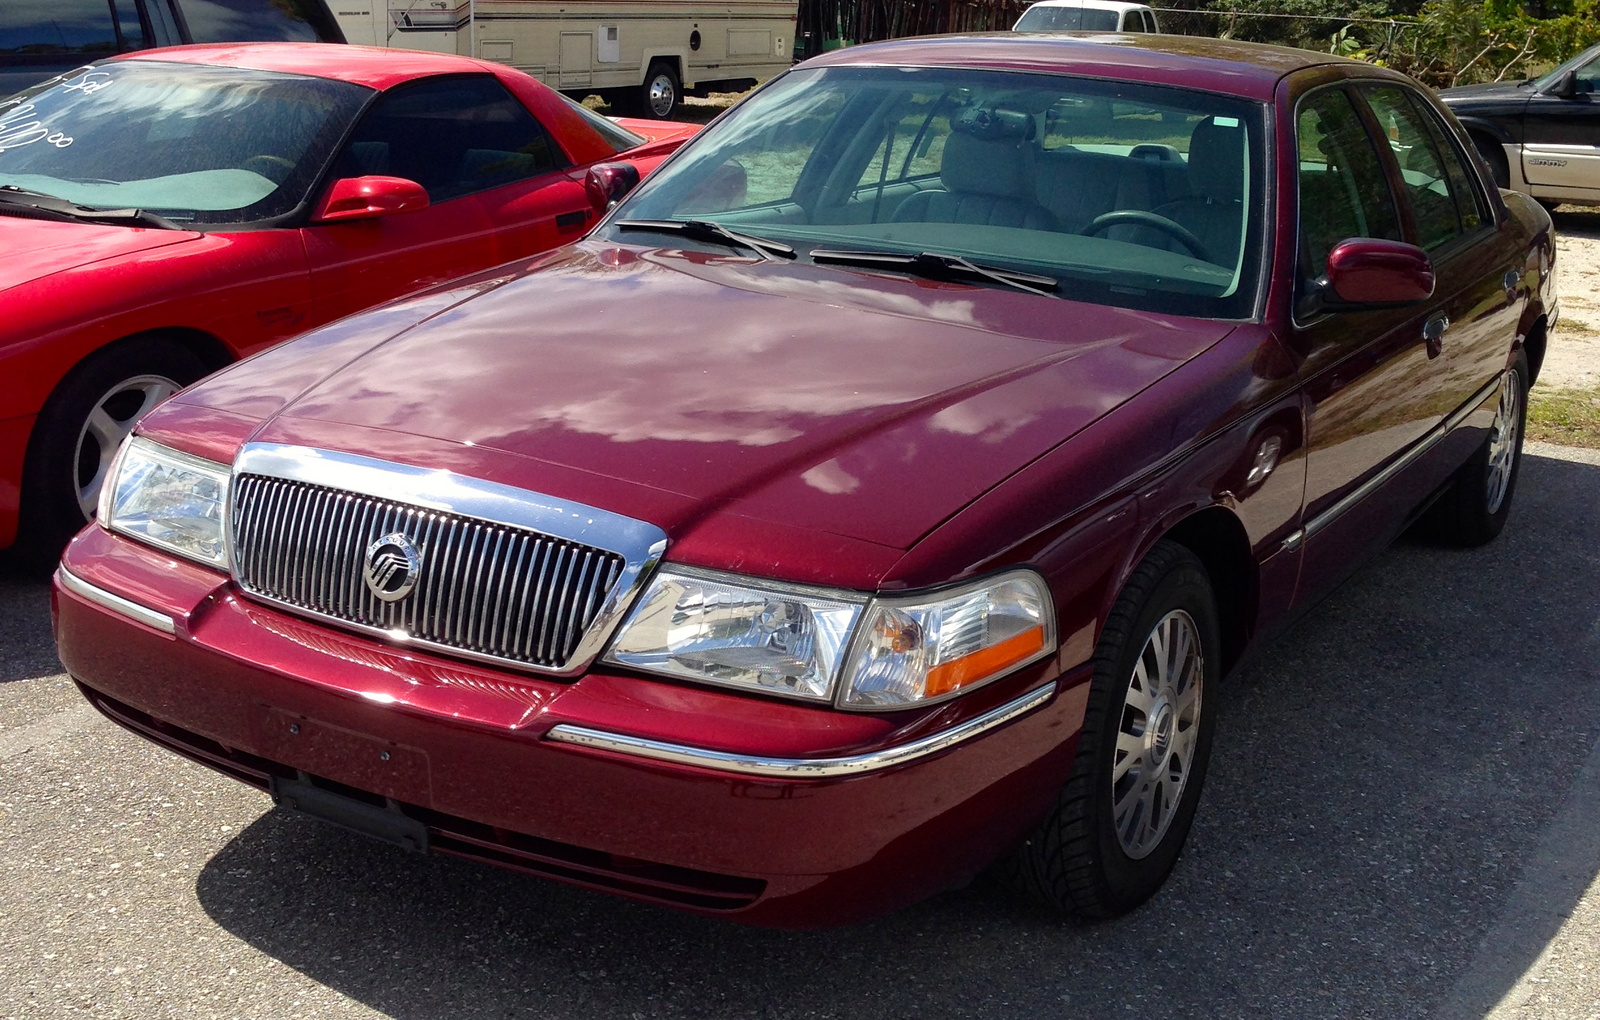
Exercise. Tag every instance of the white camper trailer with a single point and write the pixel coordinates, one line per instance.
(640, 54)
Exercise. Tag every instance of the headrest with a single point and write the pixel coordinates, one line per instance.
(1216, 160)
(974, 165)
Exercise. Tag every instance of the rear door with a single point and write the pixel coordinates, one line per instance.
(498, 184)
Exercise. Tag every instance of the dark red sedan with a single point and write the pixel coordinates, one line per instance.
(169, 212)
(880, 492)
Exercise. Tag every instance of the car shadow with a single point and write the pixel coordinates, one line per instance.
(1577, 220)
(1380, 778)
(24, 615)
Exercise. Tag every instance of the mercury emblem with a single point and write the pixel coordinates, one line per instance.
(392, 567)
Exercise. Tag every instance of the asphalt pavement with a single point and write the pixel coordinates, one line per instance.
(1402, 820)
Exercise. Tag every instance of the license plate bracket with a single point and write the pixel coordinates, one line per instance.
(382, 823)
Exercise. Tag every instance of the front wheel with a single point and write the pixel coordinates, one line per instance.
(1124, 813)
(80, 429)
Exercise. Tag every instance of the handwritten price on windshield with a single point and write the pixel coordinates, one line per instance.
(16, 127)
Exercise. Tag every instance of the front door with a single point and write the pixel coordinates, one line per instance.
(1367, 376)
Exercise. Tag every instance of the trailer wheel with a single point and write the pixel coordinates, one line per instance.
(661, 92)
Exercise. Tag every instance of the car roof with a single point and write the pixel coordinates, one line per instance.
(371, 66)
(1251, 70)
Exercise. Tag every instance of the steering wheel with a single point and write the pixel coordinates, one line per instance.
(1171, 228)
(274, 168)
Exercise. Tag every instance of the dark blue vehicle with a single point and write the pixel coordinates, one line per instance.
(1540, 136)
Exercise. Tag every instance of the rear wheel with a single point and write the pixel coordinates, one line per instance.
(1124, 813)
(81, 427)
(1474, 509)
(661, 92)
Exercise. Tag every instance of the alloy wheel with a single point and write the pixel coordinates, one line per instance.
(1503, 436)
(113, 418)
(1158, 734)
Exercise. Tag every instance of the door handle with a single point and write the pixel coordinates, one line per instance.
(1433, 334)
(1510, 281)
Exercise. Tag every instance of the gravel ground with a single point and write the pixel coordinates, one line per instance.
(1573, 358)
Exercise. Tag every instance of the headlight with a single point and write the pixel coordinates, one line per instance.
(727, 630)
(793, 640)
(927, 648)
(170, 500)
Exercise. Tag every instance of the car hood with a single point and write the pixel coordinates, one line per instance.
(1497, 94)
(39, 248)
(673, 385)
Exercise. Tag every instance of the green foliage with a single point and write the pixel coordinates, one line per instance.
(1441, 42)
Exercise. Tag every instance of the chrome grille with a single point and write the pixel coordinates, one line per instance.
(485, 589)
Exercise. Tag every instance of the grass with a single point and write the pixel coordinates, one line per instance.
(1567, 416)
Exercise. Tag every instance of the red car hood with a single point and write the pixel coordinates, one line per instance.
(674, 385)
(37, 248)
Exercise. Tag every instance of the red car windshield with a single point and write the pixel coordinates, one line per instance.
(194, 143)
(1120, 193)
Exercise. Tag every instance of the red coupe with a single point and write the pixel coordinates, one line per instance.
(169, 212)
(881, 491)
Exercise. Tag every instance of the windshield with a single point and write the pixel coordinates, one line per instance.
(1588, 56)
(1123, 194)
(194, 143)
(1066, 19)
(617, 136)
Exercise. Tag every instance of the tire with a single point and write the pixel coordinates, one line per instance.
(1473, 511)
(661, 93)
(1115, 832)
(1495, 156)
(78, 432)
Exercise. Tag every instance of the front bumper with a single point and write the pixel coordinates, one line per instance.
(707, 800)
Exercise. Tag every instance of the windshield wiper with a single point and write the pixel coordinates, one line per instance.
(10, 194)
(710, 231)
(940, 265)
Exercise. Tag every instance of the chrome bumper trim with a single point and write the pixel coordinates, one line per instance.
(801, 768)
(116, 603)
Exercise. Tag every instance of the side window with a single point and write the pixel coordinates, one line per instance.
(454, 136)
(1587, 79)
(69, 27)
(1343, 190)
(765, 168)
(1133, 21)
(915, 148)
(1442, 199)
(250, 20)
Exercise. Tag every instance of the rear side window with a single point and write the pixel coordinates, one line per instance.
(1442, 201)
(453, 136)
(71, 27)
(255, 20)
